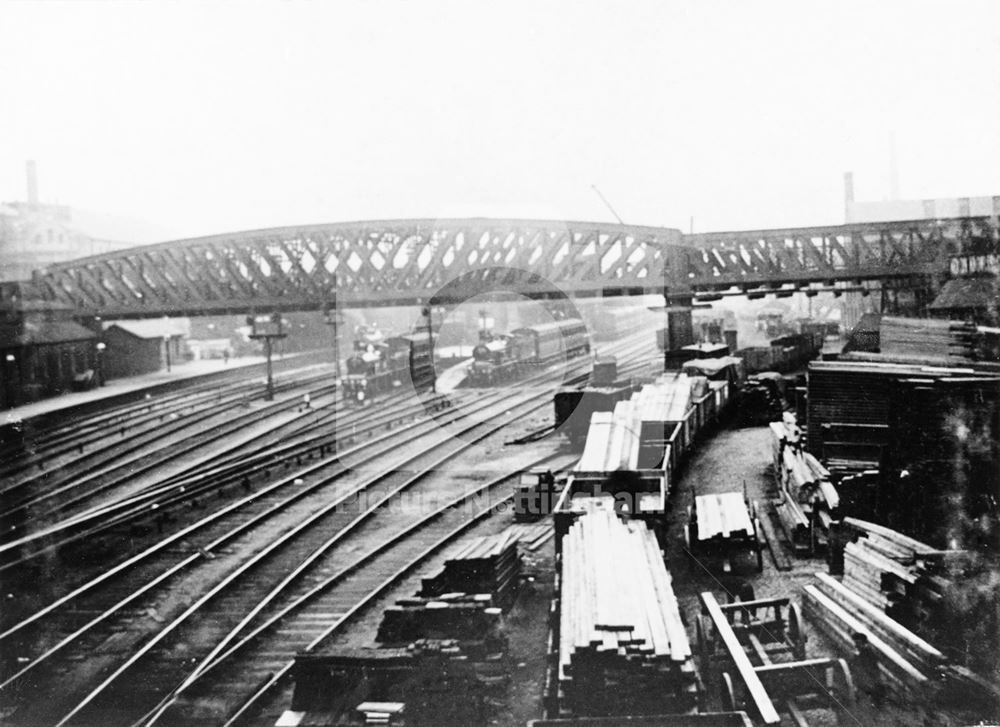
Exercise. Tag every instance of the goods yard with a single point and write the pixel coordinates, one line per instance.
(587, 366)
(203, 555)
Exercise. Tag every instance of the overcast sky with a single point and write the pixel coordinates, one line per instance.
(203, 118)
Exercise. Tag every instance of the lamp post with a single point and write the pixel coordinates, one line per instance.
(272, 329)
(333, 318)
(10, 390)
(430, 337)
(99, 362)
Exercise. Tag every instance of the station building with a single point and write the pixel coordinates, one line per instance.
(144, 346)
(43, 351)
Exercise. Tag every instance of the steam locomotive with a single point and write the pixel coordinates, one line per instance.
(380, 364)
(501, 358)
(494, 359)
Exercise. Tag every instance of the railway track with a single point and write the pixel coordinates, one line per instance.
(249, 668)
(130, 471)
(220, 620)
(86, 423)
(342, 527)
(289, 496)
(169, 505)
(46, 447)
(226, 411)
(304, 437)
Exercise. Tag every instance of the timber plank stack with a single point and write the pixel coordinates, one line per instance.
(897, 574)
(809, 499)
(848, 410)
(464, 600)
(454, 616)
(849, 407)
(633, 436)
(908, 661)
(622, 646)
(487, 565)
(906, 595)
(881, 565)
(926, 340)
(883, 579)
(945, 436)
(840, 617)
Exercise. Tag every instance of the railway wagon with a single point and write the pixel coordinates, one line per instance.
(784, 354)
(674, 359)
(725, 368)
(798, 348)
(548, 342)
(412, 357)
(663, 448)
(574, 407)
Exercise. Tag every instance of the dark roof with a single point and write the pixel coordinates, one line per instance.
(965, 293)
(45, 332)
(28, 306)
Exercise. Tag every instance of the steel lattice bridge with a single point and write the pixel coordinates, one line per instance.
(405, 262)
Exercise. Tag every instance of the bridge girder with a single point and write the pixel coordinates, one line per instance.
(860, 251)
(403, 262)
(397, 262)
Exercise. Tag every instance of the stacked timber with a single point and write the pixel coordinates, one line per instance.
(849, 407)
(681, 391)
(454, 616)
(809, 499)
(944, 439)
(857, 490)
(531, 536)
(633, 436)
(929, 341)
(381, 713)
(898, 574)
(622, 646)
(909, 665)
(464, 600)
(948, 598)
(486, 565)
(907, 657)
(612, 441)
(723, 516)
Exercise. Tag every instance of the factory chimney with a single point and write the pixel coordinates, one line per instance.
(32, 182)
(848, 195)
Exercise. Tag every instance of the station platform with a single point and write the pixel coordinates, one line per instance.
(117, 387)
(452, 377)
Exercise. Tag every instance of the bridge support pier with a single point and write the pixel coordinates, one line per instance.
(680, 325)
